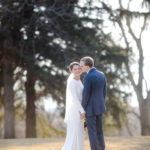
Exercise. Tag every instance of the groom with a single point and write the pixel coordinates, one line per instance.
(93, 101)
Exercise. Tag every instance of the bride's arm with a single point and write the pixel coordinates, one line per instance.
(73, 90)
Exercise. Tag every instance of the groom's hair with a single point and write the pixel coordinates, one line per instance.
(88, 61)
(73, 64)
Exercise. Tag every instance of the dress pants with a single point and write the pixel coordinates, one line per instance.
(95, 132)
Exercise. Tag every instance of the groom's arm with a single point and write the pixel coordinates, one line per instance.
(104, 90)
(86, 92)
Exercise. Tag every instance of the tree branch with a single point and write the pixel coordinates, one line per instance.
(128, 23)
(138, 87)
(4, 8)
(143, 27)
(120, 3)
(148, 96)
(124, 35)
(140, 50)
(138, 93)
(131, 77)
(125, 12)
(146, 85)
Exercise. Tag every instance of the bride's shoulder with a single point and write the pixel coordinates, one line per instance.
(70, 81)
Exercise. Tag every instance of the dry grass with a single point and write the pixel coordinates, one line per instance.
(112, 143)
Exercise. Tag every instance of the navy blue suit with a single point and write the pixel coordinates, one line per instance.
(93, 102)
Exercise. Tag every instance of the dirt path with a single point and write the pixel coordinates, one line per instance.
(112, 143)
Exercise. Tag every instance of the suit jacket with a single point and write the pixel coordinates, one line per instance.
(94, 93)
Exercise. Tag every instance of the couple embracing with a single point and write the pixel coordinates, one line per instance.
(85, 100)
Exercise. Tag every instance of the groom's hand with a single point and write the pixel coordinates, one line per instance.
(82, 116)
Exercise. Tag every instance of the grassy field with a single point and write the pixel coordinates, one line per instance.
(112, 143)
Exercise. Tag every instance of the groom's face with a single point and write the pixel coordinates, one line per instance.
(83, 67)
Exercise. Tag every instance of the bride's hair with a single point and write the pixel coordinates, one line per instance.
(73, 64)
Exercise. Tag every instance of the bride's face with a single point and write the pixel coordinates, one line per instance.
(76, 70)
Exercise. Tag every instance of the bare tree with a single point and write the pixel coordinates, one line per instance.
(124, 17)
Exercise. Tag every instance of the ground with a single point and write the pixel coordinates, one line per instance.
(112, 143)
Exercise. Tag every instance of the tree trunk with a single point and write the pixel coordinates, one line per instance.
(145, 117)
(9, 130)
(30, 107)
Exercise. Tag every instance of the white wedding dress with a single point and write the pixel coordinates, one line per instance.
(75, 126)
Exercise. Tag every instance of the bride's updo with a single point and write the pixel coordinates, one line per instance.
(73, 64)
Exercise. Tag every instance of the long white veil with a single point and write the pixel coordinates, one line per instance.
(68, 98)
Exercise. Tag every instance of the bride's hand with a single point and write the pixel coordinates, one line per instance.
(82, 116)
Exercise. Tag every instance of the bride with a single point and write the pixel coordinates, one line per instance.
(74, 114)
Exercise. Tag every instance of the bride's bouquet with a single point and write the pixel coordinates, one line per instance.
(85, 124)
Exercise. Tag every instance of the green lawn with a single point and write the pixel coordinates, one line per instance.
(112, 143)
